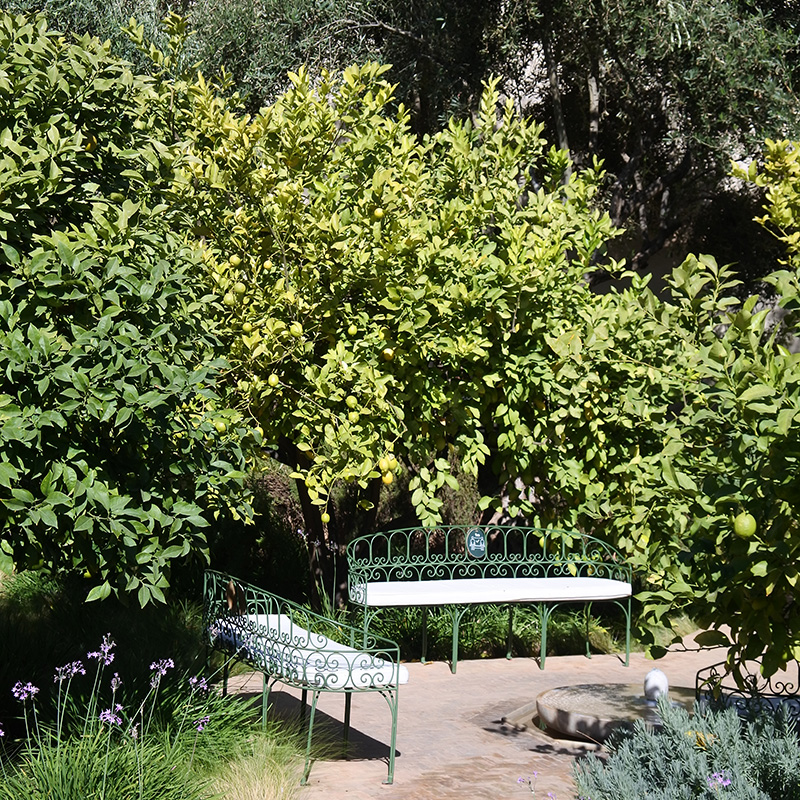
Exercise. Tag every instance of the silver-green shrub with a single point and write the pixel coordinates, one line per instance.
(707, 755)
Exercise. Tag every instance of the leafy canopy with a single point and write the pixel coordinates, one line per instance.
(389, 297)
(109, 462)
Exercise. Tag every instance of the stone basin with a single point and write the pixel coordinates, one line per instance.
(593, 710)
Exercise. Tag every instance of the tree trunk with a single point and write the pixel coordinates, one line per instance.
(594, 111)
(555, 89)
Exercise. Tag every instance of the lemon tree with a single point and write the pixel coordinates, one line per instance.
(721, 501)
(392, 301)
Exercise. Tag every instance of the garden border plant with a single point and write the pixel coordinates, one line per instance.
(109, 751)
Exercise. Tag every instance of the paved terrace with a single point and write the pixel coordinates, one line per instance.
(456, 736)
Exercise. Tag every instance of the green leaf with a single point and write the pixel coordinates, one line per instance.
(99, 592)
(712, 638)
(756, 393)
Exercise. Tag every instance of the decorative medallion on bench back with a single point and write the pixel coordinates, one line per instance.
(476, 543)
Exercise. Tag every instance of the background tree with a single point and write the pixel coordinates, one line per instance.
(664, 92)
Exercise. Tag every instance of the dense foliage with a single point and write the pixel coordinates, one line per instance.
(733, 447)
(395, 300)
(664, 92)
(707, 755)
(109, 459)
(389, 306)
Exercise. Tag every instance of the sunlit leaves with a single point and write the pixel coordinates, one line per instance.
(110, 460)
(423, 278)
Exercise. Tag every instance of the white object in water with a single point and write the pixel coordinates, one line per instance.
(655, 685)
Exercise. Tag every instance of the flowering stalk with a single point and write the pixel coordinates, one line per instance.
(159, 671)
(531, 782)
(196, 684)
(67, 672)
(199, 725)
(111, 718)
(104, 657)
(22, 693)
(2, 760)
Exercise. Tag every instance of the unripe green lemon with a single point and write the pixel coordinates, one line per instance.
(235, 260)
(296, 329)
(229, 299)
(744, 525)
(388, 354)
(352, 330)
(273, 380)
(220, 426)
(325, 517)
(353, 417)
(383, 464)
(351, 401)
(239, 288)
(387, 478)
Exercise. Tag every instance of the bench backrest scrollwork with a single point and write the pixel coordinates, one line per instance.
(265, 630)
(474, 551)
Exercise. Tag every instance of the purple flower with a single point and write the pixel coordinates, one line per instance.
(531, 782)
(69, 671)
(201, 723)
(160, 670)
(104, 654)
(717, 780)
(198, 684)
(135, 731)
(110, 716)
(2, 732)
(24, 692)
(116, 682)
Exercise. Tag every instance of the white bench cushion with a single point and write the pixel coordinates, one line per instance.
(490, 590)
(305, 657)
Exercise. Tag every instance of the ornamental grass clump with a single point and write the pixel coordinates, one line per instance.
(711, 754)
(115, 747)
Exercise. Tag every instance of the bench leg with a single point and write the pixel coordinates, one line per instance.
(587, 612)
(307, 767)
(457, 614)
(545, 612)
(369, 614)
(424, 656)
(626, 607)
(348, 698)
(392, 698)
(510, 631)
(303, 704)
(264, 702)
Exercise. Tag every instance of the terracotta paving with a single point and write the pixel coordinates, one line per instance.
(455, 735)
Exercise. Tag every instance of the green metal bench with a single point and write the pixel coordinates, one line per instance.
(460, 566)
(294, 646)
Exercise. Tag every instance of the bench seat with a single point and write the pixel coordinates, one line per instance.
(307, 659)
(464, 591)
